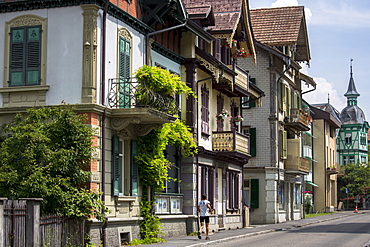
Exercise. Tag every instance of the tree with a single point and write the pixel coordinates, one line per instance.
(356, 179)
(44, 154)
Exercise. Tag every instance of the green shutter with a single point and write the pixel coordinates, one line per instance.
(124, 73)
(254, 193)
(284, 145)
(253, 80)
(17, 59)
(33, 55)
(253, 142)
(134, 169)
(115, 165)
(25, 56)
(252, 102)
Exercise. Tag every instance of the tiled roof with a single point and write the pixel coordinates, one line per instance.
(277, 26)
(226, 12)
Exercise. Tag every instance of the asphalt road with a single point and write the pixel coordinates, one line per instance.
(349, 231)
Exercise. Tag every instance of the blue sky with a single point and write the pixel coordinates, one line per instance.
(338, 30)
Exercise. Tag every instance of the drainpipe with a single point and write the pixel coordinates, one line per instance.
(104, 226)
(157, 32)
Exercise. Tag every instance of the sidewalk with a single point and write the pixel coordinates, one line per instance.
(227, 235)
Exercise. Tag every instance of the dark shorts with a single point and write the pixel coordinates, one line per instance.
(204, 218)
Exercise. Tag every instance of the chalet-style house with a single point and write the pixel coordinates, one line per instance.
(274, 176)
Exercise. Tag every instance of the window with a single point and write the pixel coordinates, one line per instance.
(205, 110)
(281, 198)
(25, 56)
(207, 184)
(125, 178)
(220, 107)
(348, 138)
(246, 193)
(297, 196)
(124, 68)
(232, 188)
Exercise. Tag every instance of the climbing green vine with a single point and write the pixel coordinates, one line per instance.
(153, 170)
(152, 163)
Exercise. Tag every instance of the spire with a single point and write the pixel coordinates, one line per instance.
(351, 93)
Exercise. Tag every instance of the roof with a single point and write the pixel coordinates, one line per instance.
(326, 111)
(351, 91)
(226, 13)
(229, 15)
(282, 26)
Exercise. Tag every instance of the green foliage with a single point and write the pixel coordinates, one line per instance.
(158, 88)
(153, 169)
(44, 156)
(356, 179)
(162, 81)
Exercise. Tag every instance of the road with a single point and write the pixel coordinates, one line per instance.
(349, 231)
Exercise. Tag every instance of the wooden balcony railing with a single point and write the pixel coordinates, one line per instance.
(229, 141)
(298, 119)
(297, 164)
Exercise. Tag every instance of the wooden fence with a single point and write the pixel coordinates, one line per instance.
(21, 225)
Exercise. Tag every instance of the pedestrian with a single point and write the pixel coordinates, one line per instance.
(205, 209)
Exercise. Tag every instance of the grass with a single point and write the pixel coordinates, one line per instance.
(318, 214)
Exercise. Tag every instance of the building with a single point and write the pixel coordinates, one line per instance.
(352, 141)
(274, 176)
(85, 53)
(326, 124)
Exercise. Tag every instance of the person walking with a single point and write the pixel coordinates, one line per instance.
(205, 209)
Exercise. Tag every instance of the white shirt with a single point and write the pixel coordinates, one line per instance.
(203, 206)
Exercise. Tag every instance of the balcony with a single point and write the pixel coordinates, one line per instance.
(295, 163)
(136, 109)
(334, 170)
(297, 120)
(231, 145)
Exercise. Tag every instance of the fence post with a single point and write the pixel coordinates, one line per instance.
(2, 226)
(33, 222)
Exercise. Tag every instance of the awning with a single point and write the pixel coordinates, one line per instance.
(309, 182)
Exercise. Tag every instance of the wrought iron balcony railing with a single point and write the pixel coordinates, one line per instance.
(129, 93)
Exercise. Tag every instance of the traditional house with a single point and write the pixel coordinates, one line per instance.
(326, 124)
(85, 54)
(219, 83)
(352, 141)
(273, 177)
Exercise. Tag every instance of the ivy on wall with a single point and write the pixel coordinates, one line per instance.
(153, 166)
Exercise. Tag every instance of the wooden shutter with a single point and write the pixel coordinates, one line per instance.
(124, 73)
(253, 80)
(254, 193)
(253, 142)
(17, 59)
(134, 169)
(25, 56)
(33, 55)
(115, 165)
(283, 141)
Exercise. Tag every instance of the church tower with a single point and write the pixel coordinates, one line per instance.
(352, 137)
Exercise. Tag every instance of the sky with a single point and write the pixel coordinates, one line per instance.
(338, 31)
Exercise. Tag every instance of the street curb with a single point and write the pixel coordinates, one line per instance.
(268, 231)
